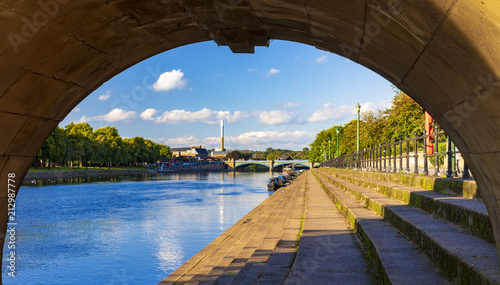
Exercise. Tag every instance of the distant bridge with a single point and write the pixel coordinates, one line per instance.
(268, 163)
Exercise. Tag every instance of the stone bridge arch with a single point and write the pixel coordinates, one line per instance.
(443, 53)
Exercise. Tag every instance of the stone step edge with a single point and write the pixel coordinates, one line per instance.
(470, 220)
(193, 261)
(289, 227)
(372, 253)
(258, 263)
(370, 246)
(278, 210)
(259, 224)
(454, 186)
(276, 219)
(465, 269)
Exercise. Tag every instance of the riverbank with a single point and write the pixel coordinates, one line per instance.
(84, 173)
(43, 175)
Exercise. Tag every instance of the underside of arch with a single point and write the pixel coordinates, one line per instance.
(443, 53)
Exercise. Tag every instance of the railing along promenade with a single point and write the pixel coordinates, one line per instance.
(389, 156)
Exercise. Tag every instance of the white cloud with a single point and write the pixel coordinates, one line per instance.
(276, 117)
(116, 115)
(185, 141)
(291, 105)
(212, 117)
(253, 70)
(264, 139)
(170, 80)
(332, 112)
(255, 140)
(76, 109)
(272, 72)
(322, 59)
(148, 114)
(105, 96)
(205, 115)
(375, 106)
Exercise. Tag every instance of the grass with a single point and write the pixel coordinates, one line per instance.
(45, 169)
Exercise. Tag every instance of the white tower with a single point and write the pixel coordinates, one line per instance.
(222, 135)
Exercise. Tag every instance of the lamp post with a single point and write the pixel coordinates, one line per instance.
(358, 108)
(329, 149)
(338, 130)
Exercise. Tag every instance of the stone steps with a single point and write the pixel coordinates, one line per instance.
(469, 214)
(462, 257)
(329, 249)
(255, 268)
(240, 244)
(230, 237)
(255, 250)
(280, 262)
(239, 241)
(394, 259)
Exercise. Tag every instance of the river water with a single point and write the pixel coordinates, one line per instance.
(127, 230)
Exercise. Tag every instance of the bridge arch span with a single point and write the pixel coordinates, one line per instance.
(443, 53)
(252, 163)
(281, 163)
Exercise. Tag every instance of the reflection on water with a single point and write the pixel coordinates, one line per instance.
(124, 230)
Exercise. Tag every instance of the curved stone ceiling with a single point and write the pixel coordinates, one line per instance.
(443, 53)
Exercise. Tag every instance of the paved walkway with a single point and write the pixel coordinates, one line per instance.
(329, 250)
(262, 247)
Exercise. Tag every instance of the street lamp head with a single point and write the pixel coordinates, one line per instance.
(338, 130)
(358, 108)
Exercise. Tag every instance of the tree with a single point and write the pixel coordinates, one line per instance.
(404, 117)
(233, 155)
(81, 136)
(54, 148)
(79, 142)
(110, 145)
(165, 152)
(246, 155)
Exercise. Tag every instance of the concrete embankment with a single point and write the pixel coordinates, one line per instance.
(84, 173)
(100, 172)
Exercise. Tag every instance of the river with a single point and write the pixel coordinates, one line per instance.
(126, 230)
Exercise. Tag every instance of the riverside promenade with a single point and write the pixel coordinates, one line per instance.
(329, 227)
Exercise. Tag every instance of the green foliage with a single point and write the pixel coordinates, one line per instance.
(405, 116)
(80, 143)
(235, 154)
(271, 154)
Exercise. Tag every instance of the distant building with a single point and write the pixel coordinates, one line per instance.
(194, 152)
(285, 157)
(219, 154)
(198, 152)
(179, 151)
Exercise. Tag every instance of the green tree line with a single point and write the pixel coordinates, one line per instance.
(80, 144)
(269, 154)
(405, 116)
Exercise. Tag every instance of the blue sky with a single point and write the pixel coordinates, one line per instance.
(279, 97)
